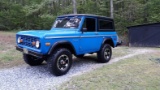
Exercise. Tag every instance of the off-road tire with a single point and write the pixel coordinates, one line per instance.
(105, 53)
(57, 59)
(31, 60)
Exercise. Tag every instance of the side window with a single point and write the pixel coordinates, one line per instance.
(90, 24)
(105, 25)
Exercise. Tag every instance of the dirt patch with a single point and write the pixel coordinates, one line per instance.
(7, 41)
(9, 57)
(7, 38)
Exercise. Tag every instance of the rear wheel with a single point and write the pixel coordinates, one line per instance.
(104, 55)
(31, 60)
(60, 61)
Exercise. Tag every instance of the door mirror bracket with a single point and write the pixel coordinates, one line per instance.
(84, 29)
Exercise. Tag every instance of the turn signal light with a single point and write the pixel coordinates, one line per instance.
(21, 40)
(33, 43)
(48, 44)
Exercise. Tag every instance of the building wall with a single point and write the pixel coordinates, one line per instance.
(145, 35)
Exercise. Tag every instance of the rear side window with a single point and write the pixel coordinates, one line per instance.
(105, 25)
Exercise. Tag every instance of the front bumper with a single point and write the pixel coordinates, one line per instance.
(39, 55)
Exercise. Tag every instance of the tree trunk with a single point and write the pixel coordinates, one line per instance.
(145, 14)
(111, 9)
(74, 7)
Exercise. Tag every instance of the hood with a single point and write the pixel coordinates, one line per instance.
(36, 33)
(43, 33)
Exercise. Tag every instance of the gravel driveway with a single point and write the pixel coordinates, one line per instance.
(38, 77)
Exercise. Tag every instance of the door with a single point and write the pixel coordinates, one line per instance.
(88, 38)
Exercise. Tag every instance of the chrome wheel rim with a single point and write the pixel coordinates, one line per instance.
(63, 62)
(107, 53)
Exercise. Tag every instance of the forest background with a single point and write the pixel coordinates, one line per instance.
(40, 14)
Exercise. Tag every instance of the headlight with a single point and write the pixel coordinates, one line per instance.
(37, 44)
(19, 40)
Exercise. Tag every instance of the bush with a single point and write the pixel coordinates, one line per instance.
(11, 16)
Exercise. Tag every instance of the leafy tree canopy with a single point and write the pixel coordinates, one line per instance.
(40, 14)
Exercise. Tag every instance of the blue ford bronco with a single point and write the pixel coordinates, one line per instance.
(76, 34)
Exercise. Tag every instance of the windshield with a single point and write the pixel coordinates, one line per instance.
(67, 22)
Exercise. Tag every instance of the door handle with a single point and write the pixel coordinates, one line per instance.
(96, 33)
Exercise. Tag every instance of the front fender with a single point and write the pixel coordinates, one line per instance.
(62, 44)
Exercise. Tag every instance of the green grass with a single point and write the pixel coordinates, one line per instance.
(141, 72)
(9, 56)
(121, 51)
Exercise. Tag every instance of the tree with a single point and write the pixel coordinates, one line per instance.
(111, 9)
(40, 14)
(74, 6)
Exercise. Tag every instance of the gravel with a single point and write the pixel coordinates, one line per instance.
(27, 77)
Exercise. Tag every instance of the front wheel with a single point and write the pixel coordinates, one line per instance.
(31, 60)
(104, 55)
(60, 61)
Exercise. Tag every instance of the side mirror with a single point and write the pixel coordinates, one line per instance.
(84, 29)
